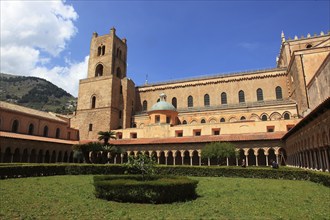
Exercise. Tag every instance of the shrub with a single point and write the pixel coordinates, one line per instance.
(134, 188)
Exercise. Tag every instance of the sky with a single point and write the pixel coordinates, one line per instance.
(167, 40)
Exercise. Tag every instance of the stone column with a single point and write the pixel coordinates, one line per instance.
(200, 157)
(246, 154)
(315, 161)
(208, 161)
(266, 155)
(182, 156)
(174, 157)
(191, 153)
(166, 156)
(121, 158)
(327, 160)
(236, 161)
(158, 156)
(227, 161)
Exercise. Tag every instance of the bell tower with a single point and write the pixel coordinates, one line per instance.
(106, 96)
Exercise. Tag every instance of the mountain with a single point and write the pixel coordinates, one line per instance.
(36, 93)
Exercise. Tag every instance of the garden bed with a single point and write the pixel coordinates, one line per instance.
(136, 189)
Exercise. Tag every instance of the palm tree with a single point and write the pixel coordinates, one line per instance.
(106, 136)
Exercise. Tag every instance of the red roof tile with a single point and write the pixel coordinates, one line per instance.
(35, 138)
(198, 139)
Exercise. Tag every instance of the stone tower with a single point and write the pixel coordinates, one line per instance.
(106, 98)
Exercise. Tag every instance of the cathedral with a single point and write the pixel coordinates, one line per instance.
(270, 114)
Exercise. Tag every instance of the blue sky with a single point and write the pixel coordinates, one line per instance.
(173, 39)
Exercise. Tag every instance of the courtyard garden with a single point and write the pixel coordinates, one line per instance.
(72, 197)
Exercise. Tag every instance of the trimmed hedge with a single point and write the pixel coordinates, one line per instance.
(156, 189)
(31, 170)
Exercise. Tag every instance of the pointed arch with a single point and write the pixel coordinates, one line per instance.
(15, 126)
(206, 100)
(260, 95)
(275, 116)
(99, 70)
(145, 105)
(174, 102)
(241, 96)
(278, 92)
(190, 101)
(223, 98)
(93, 102)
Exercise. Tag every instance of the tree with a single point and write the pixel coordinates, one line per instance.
(218, 150)
(141, 164)
(106, 136)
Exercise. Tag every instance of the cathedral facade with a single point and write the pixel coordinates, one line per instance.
(177, 118)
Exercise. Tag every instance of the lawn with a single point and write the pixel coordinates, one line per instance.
(71, 197)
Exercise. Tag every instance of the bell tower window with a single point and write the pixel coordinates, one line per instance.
(103, 50)
(93, 102)
(118, 72)
(99, 70)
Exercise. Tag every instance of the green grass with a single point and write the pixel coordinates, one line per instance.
(71, 197)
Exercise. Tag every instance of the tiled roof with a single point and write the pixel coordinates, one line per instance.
(198, 139)
(29, 111)
(35, 138)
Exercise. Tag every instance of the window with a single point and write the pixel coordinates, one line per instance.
(90, 127)
(99, 51)
(203, 121)
(179, 133)
(99, 70)
(144, 105)
(103, 50)
(45, 131)
(14, 127)
(121, 89)
(190, 101)
(58, 133)
(243, 118)
(270, 128)
(133, 135)
(278, 92)
(158, 100)
(222, 120)
(118, 72)
(241, 96)
(264, 118)
(31, 129)
(93, 102)
(119, 135)
(120, 114)
(184, 122)
(216, 131)
(174, 102)
(260, 96)
(157, 119)
(197, 132)
(206, 100)
(286, 116)
(289, 127)
(308, 46)
(168, 119)
(223, 98)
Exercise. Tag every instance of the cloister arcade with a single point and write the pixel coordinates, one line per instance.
(252, 156)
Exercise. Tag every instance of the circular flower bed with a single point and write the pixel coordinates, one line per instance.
(137, 189)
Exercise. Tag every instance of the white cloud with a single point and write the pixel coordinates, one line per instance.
(33, 33)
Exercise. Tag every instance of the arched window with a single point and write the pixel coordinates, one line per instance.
(184, 122)
(99, 70)
(286, 116)
(117, 54)
(309, 46)
(241, 96)
(223, 98)
(206, 100)
(145, 105)
(264, 118)
(174, 102)
(158, 100)
(278, 92)
(103, 50)
(203, 121)
(99, 51)
(243, 118)
(190, 101)
(222, 120)
(14, 127)
(58, 133)
(31, 129)
(118, 72)
(45, 131)
(93, 102)
(260, 96)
